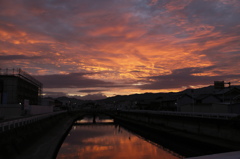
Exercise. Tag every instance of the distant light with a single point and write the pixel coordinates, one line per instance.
(20, 103)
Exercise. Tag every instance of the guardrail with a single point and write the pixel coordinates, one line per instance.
(187, 114)
(8, 125)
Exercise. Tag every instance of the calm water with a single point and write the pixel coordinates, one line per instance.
(99, 138)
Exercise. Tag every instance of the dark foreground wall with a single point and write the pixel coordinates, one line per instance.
(37, 140)
(219, 131)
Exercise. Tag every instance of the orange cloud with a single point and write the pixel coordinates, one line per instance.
(123, 43)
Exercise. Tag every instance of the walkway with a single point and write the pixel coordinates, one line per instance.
(228, 155)
(21, 121)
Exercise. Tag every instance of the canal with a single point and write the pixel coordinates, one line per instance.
(102, 138)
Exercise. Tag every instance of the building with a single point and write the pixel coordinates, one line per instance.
(18, 87)
(174, 101)
(215, 99)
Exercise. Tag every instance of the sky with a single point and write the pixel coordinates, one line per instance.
(93, 49)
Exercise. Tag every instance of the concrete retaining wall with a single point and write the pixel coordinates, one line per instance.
(217, 128)
(36, 140)
(10, 111)
(39, 109)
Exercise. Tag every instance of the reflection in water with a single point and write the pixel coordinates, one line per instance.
(93, 141)
(94, 119)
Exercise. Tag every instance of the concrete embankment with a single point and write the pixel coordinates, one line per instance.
(39, 140)
(228, 129)
(183, 142)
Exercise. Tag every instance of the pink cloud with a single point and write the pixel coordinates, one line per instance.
(120, 41)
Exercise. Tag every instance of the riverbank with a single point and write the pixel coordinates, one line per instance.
(183, 143)
(38, 141)
(43, 139)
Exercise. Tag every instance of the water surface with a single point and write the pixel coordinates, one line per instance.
(100, 138)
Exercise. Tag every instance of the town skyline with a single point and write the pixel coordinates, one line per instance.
(100, 49)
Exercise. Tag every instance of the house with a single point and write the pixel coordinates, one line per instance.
(236, 99)
(228, 94)
(207, 99)
(215, 100)
(174, 102)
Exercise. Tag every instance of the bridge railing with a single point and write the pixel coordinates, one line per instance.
(8, 125)
(187, 114)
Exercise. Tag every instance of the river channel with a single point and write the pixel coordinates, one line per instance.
(101, 138)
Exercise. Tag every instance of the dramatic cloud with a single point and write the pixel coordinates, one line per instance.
(72, 80)
(19, 57)
(188, 77)
(121, 47)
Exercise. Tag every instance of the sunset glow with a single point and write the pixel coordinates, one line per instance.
(101, 142)
(94, 49)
